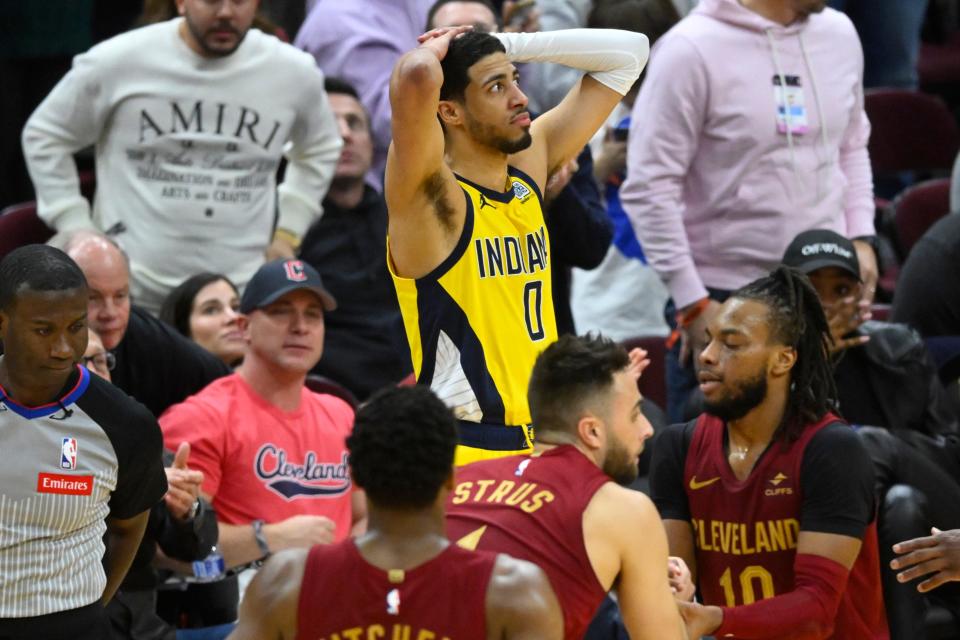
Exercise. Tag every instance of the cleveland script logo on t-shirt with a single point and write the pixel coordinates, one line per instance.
(312, 479)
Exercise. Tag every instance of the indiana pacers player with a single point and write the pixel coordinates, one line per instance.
(468, 247)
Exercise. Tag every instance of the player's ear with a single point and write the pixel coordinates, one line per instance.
(783, 360)
(590, 431)
(450, 112)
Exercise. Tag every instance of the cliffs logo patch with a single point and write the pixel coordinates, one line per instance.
(294, 270)
(521, 191)
(64, 484)
(311, 479)
(68, 453)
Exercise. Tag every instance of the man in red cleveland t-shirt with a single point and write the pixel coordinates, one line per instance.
(273, 454)
(769, 495)
(402, 579)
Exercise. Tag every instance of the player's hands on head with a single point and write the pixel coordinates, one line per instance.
(183, 484)
(937, 554)
(299, 531)
(700, 620)
(438, 40)
(681, 582)
(844, 316)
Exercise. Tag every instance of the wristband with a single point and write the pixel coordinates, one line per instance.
(260, 538)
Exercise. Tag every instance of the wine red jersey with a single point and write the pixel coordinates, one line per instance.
(531, 507)
(344, 597)
(746, 532)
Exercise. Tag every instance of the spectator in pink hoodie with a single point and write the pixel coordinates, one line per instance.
(722, 174)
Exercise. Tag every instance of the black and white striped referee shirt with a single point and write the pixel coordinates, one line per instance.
(65, 467)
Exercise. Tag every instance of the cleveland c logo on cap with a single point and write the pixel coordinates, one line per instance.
(294, 270)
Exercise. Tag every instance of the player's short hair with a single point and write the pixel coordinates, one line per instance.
(178, 305)
(464, 52)
(795, 318)
(439, 3)
(402, 446)
(332, 84)
(567, 375)
(37, 268)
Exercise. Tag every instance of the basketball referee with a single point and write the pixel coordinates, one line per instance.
(80, 459)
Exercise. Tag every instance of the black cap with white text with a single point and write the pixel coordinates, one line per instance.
(819, 248)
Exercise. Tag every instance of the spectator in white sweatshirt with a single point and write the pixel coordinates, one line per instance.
(721, 175)
(190, 119)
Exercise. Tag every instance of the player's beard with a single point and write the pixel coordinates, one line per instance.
(619, 465)
(742, 399)
(488, 135)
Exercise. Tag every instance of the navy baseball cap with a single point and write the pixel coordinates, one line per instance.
(819, 248)
(277, 278)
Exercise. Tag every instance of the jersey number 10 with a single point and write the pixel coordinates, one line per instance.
(747, 577)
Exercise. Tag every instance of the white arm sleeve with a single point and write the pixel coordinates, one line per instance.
(613, 57)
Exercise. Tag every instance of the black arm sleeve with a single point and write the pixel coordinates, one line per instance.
(836, 478)
(580, 230)
(666, 471)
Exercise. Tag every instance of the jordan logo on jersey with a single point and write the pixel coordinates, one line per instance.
(312, 479)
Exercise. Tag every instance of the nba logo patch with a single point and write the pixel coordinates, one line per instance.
(520, 190)
(294, 270)
(68, 453)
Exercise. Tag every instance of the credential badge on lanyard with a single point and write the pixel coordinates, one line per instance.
(790, 98)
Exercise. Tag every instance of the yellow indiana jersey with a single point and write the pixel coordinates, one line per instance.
(478, 321)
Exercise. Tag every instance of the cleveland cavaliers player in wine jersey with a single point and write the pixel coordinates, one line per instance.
(769, 495)
(564, 507)
(402, 578)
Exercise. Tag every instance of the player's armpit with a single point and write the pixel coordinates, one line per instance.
(521, 604)
(425, 205)
(646, 602)
(269, 607)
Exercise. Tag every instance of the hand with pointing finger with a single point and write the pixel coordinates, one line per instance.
(183, 485)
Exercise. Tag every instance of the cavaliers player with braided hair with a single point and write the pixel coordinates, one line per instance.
(768, 496)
